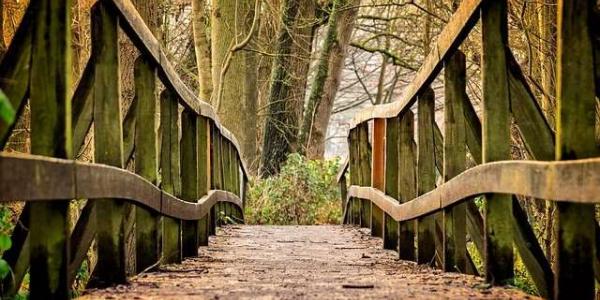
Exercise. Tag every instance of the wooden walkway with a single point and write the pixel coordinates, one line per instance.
(300, 262)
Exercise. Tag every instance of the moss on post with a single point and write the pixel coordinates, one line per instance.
(407, 182)
(390, 226)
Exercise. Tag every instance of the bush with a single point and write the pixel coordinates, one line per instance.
(304, 193)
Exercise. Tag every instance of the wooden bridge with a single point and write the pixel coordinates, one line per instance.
(393, 187)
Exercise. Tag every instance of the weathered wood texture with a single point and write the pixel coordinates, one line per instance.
(575, 139)
(189, 179)
(392, 167)
(407, 184)
(426, 176)
(455, 155)
(372, 158)
(146, 163)
(496, 138)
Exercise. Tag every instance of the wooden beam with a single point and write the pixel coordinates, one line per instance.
(170, 173)
(426, 176)
(146, 165)
(111, 266)
(455, 155)
(373, 172)
(189, 179)
(496, 139)
(204, 179)
(355, 178)
(407, 182)
(391, 182)
(575, 139)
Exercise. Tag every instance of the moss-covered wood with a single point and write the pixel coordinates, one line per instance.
(371, 215)
(146, 162)
(108, 133)
(170, 173)
(355, 177)
(189, 180)
(390, 226)
(496, 139)
(426, 176)
(575, 139)
(407, 182)
(455, 155)
(203, 174)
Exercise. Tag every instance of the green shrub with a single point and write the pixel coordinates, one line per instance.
(304, 193)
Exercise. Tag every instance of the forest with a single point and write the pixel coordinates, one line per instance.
(286, 78)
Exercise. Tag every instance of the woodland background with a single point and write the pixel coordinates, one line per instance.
(286, 76)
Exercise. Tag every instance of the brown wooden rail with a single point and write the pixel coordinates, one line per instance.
(202, 172)
(394, 173)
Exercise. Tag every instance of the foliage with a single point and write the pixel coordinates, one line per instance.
(304, 193)
(7, 112)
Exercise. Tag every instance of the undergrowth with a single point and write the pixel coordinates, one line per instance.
(304, 193)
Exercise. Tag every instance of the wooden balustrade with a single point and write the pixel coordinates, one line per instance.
(446, 216)
(181, 184)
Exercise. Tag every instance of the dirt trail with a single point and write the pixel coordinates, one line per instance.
(300, 262)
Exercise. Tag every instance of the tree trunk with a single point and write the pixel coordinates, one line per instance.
(202, 48)
(327, 80)
(236, 111)
(280, 127)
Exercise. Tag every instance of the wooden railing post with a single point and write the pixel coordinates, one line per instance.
(204, 179)
(426, 174)
(170, 173)
(407, 182)
(189, 180)
(455, 155)
(354, 167)
(496, 139)
(575, 139)
(213, 175)
(50, 136)
(363, 206)
(108, 141)
(392, 165)
(146, 157)
(216, 171)
(373, 172)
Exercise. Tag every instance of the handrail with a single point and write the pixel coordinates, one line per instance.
(460, 24)
(576, 181)
(38, 178)
(137, 30)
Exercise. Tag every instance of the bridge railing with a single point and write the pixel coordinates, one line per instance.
(189, 172)
(394, 184)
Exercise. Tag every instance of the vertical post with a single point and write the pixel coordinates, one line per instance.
(216, 174)
(203, 175)
(355, 178)
(455, 156)
(496, 139)
(189, 180)
(373, 169)
(390, 226)
(426, 174)
(50, 136)
(170, 173)
(108, 141)
(575, 139)
(147, 221)
(407, 182)
(363, 206)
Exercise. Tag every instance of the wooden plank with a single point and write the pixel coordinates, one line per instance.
(50, 136)
(496, 139)
(363, 207)
(355, 178)
(575, 139)
(426, 176)
(377, 178)
(111, 266)
(170, 173)
(15, 71)
(83, 106)
(82, 236)
(407, 182)
(203, 174)
(146, 165)
(532, 124)
(391, 169)
(455, 155)
(189, 179)
(456, 30)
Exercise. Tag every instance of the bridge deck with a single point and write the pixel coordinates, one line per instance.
(327, 262)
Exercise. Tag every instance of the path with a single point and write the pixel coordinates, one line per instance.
(300, 262)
